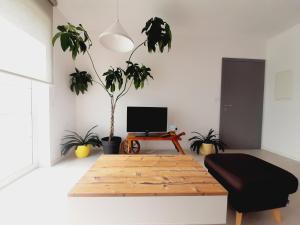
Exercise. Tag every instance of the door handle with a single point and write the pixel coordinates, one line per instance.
(227, 105)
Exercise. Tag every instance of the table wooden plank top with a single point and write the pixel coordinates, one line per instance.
(146, 175)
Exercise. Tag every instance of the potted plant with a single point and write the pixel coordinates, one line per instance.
(206, 144)
(82, 145)
(115, 81)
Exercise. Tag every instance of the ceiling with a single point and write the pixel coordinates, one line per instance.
(188, 17)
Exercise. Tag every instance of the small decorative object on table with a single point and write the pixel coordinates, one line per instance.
(83, 145)
(172, 128)
(206, 144)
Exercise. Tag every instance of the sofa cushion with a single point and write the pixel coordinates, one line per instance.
(246, 174)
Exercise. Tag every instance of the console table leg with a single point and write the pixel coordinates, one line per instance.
(238, 218)
(129, 146)
(178, 147)
(277, 215)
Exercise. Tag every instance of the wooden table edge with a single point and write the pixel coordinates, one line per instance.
(225, 193)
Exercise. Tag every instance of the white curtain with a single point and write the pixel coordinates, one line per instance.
(15, 126)
(25, 38)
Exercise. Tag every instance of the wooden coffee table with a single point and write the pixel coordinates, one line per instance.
(148, 189)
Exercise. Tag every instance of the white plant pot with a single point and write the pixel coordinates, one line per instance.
(207, 149)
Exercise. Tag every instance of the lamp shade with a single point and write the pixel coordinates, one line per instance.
(116, 38)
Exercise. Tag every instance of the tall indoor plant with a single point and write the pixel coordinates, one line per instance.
(115, 81)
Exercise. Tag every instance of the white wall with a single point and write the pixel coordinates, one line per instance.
(62, 100)
(187, 80)
(281, 120)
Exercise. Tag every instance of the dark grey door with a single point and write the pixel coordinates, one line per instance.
(242, 103)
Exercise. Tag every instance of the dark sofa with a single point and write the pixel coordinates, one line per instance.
(253, 184)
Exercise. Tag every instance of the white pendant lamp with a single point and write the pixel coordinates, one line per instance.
(116, 38)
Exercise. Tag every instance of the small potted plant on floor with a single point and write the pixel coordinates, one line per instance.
(81, 145)
(206, 144)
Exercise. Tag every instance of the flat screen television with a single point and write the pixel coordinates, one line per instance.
(147, 119)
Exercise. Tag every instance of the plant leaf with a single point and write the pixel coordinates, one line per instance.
(210, 138)
(64, 41)
(57, 35)
(158, 34)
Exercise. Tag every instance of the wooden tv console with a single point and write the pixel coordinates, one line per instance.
(131, 144)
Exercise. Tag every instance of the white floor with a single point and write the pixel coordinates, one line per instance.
(40, 198)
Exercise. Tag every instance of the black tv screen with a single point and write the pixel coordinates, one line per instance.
(147, 119)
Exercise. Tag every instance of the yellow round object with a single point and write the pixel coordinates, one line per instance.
(82, 151)
(90, 146)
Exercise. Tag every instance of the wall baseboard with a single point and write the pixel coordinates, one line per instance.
(16, 176)
(56, 161)
(283, 154)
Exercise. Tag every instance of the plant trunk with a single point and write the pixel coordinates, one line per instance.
(113, 101)
(112, 119)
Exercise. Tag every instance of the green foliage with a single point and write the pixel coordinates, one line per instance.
(76, 40)
(210, 138)
(73, 139)
(80, 81)
(72, 38)
(158, 34)
(113, 78)
(139, 74)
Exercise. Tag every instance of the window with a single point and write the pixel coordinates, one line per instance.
(25, 72)
(16, 145)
